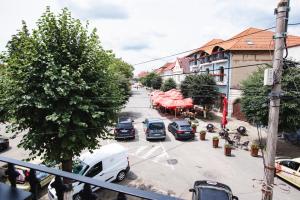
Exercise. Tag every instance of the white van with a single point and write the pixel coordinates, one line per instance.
(109, 163)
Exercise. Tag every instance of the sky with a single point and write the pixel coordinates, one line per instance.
(141, 30)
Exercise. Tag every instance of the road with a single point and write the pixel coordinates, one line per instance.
(172, 166)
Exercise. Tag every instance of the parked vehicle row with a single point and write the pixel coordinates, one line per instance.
(154, 129)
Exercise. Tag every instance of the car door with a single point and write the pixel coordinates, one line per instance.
(295, 166)
(170, 127)
(95, 171)
(287, 170)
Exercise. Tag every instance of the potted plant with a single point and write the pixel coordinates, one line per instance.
(254, 150)
(227, 150)
(202, 135)
(215, 142)
(194, 127)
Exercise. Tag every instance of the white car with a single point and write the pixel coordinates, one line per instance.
(289, 170)
(109, 163)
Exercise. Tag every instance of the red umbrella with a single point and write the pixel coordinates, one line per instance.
(224, 119)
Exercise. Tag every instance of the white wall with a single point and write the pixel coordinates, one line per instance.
(294, 53)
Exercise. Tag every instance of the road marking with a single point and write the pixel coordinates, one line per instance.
(151, 151)
(165, 152)
(160, 156)
(139, 150)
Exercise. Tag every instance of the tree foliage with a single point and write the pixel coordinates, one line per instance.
(201, 88)
(255, 100)
(58, 85)
(168, 85)
(152, 80)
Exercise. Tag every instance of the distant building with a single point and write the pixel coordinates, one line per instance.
(225, 60)
(142, 74)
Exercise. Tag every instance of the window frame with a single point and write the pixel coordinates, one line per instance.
(89, 171)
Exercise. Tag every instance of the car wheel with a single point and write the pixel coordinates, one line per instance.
(121, 176)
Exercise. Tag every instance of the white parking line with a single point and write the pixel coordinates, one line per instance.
(139, 150)
(165, 152)
(150, 152)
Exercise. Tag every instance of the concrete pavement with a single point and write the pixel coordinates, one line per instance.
(172, 166)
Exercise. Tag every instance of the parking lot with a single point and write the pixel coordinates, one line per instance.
(172, 166)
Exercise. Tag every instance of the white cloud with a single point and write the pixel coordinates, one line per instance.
(154, 28)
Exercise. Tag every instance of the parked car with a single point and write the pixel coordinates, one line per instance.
(109, 163)
(124, 129)
(4, 143)
(289, 170)
(22, 183)
(181, 129)
(154, 129)
(211, 190)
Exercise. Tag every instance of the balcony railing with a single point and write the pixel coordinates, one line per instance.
(93, 182)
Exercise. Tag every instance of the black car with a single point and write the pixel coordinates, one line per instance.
(124, 129)
(181, 129)
(211, 190)
(4, 143)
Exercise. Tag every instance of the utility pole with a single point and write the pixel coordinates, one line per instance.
(281, 13)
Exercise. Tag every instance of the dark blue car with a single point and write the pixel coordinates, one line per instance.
(294, 138)
(211, 190)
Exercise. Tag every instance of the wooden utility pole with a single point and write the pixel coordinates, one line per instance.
(281, 13)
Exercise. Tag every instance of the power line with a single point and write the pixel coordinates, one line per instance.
(190, 50)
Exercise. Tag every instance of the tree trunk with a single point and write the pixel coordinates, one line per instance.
(67, 166)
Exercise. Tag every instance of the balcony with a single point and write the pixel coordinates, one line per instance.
(120, 189)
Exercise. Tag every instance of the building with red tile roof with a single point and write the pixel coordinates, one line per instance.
(222, 58)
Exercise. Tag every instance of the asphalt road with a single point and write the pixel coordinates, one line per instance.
(172, 166)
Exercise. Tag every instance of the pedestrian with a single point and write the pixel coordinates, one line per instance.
(33, 182)
(12, 174)
(86, 193)
(59, 187)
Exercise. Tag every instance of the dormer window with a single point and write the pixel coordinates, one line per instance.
(249, 42)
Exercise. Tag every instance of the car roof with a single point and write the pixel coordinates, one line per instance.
(181, 122)
(215, 184)
(102, 153)
(124, 119)
(155, 120)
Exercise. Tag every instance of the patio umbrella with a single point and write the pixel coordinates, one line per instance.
(224, 115)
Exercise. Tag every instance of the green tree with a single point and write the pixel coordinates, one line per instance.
(168, 85)
(152, 80)
(201, 88)
(255, 99)
(59, 88)
(156, 82)
(123, 73)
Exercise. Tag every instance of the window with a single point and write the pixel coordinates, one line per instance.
(221, 73)
(95, 170)
(290, 164)
(195, 57)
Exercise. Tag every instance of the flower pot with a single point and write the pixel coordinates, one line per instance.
(254, 152)
(215, 143)
(227, 151)
(202, 135)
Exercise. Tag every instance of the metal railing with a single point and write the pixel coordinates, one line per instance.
(93, 182)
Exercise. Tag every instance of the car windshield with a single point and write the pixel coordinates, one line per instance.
(185, 127)
(155, 126)
(124, 125)
(79, 167)
(213, 194)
